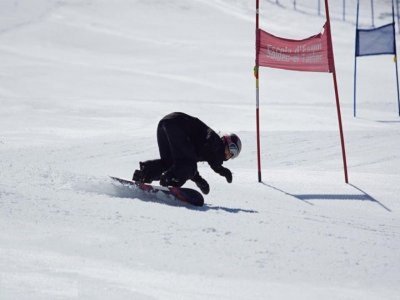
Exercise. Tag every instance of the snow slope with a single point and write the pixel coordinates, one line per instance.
(83, 84)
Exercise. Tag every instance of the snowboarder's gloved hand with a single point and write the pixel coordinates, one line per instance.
(201, 183)
(226, 173)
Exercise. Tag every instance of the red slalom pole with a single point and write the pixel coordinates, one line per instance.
(256, 74)
(336, 92)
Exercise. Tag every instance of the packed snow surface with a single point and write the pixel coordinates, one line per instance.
(83, 84)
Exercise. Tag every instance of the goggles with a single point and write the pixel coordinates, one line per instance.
(233, 148)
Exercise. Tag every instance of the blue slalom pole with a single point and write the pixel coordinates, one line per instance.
(344, 10)
(397, 81)
(319, 7)
(372, 14)
(355, 86)
(398, 18)
(355, 62)
(395, 59)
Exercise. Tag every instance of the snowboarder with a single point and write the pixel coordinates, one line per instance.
(183, 141)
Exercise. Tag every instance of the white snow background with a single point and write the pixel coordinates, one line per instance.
(83, 84)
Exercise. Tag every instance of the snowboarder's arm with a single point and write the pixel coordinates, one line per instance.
(223, 172)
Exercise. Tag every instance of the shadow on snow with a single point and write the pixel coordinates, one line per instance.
(363, 196)
(120, 191)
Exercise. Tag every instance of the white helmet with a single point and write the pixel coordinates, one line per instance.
(233, 142)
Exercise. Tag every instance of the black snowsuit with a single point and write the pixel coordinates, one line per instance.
(183, 141)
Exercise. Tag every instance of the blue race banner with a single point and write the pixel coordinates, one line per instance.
(376, 41)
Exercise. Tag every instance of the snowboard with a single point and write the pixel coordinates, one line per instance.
(186, 195)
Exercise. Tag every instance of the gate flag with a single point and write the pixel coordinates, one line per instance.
(312, 54)
(375, 41)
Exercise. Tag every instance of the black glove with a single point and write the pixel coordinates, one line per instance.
(201, 183)
(226, 173)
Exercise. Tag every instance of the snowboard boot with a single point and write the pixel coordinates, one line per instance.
(149, 171)
(201, 183)
(168, 178)
(137, 176)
